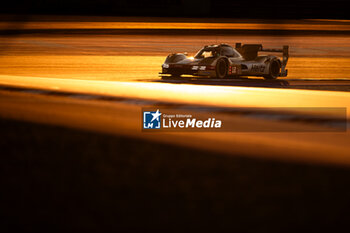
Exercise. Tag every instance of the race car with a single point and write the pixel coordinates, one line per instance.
(223, 61)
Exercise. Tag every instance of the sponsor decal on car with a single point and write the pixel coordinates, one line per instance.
(258, 68)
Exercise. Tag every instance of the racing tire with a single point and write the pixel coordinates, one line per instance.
(221, 68)
(274, 69)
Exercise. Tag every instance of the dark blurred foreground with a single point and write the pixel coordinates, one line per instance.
(59, 179)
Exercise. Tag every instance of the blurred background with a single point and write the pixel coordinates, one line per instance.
(271, 9)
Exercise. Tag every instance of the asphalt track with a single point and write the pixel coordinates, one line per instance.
(123, 116)
(127, 66)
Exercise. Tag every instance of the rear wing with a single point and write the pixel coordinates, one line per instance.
(251, 50)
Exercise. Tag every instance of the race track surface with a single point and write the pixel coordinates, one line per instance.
(127, 66)
(75, 157)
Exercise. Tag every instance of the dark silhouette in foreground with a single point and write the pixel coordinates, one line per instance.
(60, 179)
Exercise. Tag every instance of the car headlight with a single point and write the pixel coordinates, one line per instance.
(202, 67)
(166, 66)
(194, 67)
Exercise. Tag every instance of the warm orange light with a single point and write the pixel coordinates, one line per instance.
(312, 25)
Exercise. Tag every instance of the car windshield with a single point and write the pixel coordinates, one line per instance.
(229, 52)
(204, 53)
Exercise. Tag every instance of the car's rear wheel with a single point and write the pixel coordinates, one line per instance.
(221, 68)
(274, 69)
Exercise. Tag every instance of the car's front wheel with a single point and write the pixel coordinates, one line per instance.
(221, 68)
